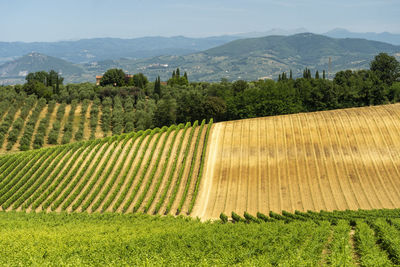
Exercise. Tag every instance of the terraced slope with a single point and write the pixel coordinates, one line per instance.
(330, 160)
(156, 172)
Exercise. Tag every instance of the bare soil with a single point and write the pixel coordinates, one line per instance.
(341, 159)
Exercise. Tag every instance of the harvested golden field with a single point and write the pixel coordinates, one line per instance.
(330, 160)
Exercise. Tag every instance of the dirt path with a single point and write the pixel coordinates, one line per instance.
(99, 132)
(233, 133)
(86, 129)
(224, 160)
(206, 185)
(192, 186)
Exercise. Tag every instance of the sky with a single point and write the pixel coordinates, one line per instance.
(45, 20)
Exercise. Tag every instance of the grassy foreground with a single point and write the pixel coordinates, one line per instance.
(348, 238)
(137, 239)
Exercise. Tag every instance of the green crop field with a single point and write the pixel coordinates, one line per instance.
(349, 238)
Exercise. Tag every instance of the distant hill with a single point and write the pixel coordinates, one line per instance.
(96, 49)
(381, 37)
(255, 58)
(32, 62)
(248, 59)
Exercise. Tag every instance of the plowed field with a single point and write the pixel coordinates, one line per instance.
(330, 160)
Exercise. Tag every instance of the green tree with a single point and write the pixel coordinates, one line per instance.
(139, 80)
(386, 67)
(157, 86)
(165, 113)
(115, 77)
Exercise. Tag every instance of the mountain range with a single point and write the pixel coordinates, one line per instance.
(249, 58)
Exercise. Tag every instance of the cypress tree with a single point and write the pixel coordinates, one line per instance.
(178, 73)
(316, 75)
(173, 74)
(291, 75)
(323, 74)
(185, 75)
(157, 86)
(279, 78)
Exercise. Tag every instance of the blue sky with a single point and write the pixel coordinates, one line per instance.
(45, 20)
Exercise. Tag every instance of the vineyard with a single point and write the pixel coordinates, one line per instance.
(30, 123)
(329, 160)
(347, 238)
(154, 171)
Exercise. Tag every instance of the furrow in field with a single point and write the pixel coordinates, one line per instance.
(353, 174)
(79, 168)
(287, 175)
(338, 191)
(186, 170)
(62, 177)
(320, 159)
(41, 184)
(152, 159)
(386, 150)
(358, 159)
(338, 161)
(275, 197)
(146, 157)
(370, 161)
(314, 171)
(133, 160)
(264, 168)
(159, 170)
(224, 160)
(233, 181)
(97, 175)
(170, 163)
(206, 186)
(176, 172)
(109, 170)
(375, 155)
(51, 182)
(301, 196)
(253, 178)
(195, 176)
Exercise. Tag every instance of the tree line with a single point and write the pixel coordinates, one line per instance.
(156, 104)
